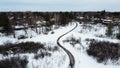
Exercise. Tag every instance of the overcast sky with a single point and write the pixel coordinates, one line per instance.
(59, 5)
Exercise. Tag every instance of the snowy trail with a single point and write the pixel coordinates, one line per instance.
(71, 57)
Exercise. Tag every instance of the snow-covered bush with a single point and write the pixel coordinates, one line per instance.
(103, 51)
(27, 47)
(72, 40)
(55, 48)
(14, 62)
(42, 54)
(21, 37)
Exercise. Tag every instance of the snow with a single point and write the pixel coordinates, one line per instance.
(55, 61)
(50, 37)
(80, 17)
(59, 59)
(81, 57)
(19, 26)
(39, 22)
(107, 20)
(28, 33)
(4, 40)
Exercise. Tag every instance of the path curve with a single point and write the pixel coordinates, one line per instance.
(71, 57)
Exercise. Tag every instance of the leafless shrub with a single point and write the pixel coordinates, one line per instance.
(55, 48)
(73, 40)
(22, 37)
(104, 51)
(14, 62)
(27, 47)
(42, 55)
(52, 32)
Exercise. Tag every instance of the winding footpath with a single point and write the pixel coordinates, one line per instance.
(71, 57)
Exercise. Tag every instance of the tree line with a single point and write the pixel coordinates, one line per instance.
(8, 20)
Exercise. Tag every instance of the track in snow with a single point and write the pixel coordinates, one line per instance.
(71, 57)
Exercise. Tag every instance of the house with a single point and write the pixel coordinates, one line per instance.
(106, 21)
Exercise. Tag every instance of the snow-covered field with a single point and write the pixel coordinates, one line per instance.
(59, 59)
(79, 50)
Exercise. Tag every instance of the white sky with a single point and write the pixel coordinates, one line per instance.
(59, 5)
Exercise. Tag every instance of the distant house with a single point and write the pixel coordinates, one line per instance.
(80, 18)
(107, 21)
(97, 20)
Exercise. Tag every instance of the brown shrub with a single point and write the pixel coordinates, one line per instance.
(104, 51)
(27, 47)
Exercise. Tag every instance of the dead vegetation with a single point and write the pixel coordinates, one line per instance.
(103, 51)
(14, 62)
(27, 47)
